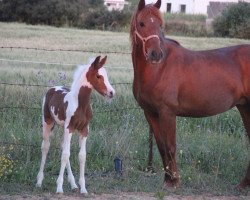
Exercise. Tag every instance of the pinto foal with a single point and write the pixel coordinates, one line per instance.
(72, 110)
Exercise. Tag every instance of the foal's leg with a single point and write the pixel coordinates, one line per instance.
(163, 126)
(64, 159)
(45, 148)
(245, 114)
(71, 178)
(82, 159)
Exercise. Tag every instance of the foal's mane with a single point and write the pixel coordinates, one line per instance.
(149, 9)
(79, 77)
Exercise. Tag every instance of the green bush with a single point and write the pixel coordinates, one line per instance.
(234, 21)
(106, 20)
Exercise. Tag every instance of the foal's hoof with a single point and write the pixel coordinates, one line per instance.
(59, 191)
(83, 191)
(38, 185)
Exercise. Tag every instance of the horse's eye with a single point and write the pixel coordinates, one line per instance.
(98, 76)
(142, 24)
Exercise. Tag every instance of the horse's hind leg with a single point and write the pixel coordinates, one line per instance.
(47, 128)
(245, 114)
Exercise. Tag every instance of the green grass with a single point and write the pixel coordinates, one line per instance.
(213, 153)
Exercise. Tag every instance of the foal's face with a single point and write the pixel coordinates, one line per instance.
(149, 25)
(98, 78)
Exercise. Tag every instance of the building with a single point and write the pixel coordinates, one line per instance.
(190, 6)
(115, 4)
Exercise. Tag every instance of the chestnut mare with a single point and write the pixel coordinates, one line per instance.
(170, 81)
(72, 110)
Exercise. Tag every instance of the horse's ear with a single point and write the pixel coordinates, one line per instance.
(158, 4)
(95, 64)
(141, 4)
(102, 62)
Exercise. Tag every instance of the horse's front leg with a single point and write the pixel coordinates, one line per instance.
(82, 159)
(150, 152)
(166, 141)
(64, 159)
(164, 127)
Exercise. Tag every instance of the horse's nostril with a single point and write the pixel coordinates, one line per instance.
(153, 55)
(161, 55)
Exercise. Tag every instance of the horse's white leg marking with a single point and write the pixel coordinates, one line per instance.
(64, 159)
(71, 178)
(82, 160)
(45, 148)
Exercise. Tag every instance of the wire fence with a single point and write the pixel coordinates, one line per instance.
(67, 50)
(59, 50)
(53, 63)
(25, 107)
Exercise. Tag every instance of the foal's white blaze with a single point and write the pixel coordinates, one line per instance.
(102, 71)
(152, 20)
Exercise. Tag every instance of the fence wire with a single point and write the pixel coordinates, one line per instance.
(63, 50)
(23, 107)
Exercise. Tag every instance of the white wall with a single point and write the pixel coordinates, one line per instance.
(192, 6)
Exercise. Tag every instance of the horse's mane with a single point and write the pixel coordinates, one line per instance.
(172, 40)
(148, 9)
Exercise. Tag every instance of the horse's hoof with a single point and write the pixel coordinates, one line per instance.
(150, 169)
(241, 187)
(243, 184)
(172, 183)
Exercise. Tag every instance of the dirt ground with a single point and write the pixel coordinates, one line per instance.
(119, 196)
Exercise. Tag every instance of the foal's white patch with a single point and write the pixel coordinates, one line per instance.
(60, 88)
(152, 20)
(56, 118)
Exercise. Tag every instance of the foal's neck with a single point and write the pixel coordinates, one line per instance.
(84, 97)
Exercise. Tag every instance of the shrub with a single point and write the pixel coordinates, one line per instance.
(234, 21)
(106, 20)
(185, 24)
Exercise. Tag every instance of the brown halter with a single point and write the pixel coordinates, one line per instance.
(144, 40)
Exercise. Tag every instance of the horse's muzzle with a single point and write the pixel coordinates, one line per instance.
(155, 57)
